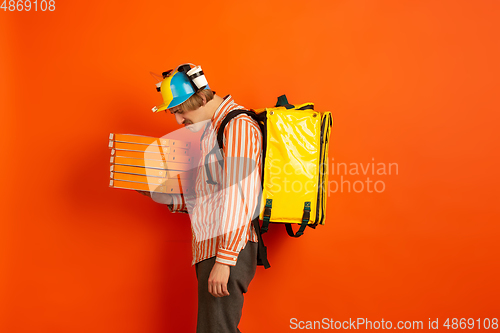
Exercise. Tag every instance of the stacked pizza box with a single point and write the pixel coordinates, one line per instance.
(150, 164)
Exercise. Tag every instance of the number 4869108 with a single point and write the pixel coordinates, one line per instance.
(27, 5)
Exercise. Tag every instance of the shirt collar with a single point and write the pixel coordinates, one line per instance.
(221, 111)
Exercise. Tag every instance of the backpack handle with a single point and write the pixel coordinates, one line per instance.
(283, 101)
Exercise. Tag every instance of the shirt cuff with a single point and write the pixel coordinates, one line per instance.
(178, 205)
(226, 257)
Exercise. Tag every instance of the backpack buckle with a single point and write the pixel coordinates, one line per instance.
(307, 212)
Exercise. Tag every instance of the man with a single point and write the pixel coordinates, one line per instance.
(225, 198)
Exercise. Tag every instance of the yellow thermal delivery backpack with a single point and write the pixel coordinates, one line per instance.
(295, 163)
(295, 166)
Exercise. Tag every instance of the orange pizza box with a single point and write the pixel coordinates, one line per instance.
(132, 147)
(147, 148)
(152, 156)
(135, 147)
(149, 140)
(154, 164)
(170, 186)
(145, 179)
(144, 171)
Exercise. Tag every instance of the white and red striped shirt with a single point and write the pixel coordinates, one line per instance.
(221, 214)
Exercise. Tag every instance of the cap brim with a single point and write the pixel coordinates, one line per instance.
(176, 101)
(161, 107)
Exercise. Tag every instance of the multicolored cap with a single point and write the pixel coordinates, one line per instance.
(175, 88)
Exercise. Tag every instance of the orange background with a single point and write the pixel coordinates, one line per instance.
(409, 82)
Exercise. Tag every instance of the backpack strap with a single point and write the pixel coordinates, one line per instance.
(267, 215)
(218, 149)
(305, 221)
(218, 153)
(262, 249)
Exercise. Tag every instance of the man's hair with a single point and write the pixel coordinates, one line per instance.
(195, 101)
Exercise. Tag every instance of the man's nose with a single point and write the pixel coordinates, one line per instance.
(179, 118)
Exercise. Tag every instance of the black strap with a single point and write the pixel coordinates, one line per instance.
(262, 250)
(299, 233)
(267, 215)
(257, 117)
(305, 220)
(260, 118)
(217, 151)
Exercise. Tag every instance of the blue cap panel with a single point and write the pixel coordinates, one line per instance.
(181, 89)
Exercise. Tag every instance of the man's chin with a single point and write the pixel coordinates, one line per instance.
(193, 127)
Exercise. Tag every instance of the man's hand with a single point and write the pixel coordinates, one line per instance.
(217, 281)
(162, 198)
(146, 193)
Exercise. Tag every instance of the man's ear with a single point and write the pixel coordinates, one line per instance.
(203, 98)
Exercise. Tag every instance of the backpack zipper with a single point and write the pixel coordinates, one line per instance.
(320, 192)
(323, 209)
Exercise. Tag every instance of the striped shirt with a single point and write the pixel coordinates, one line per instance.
(221, 214)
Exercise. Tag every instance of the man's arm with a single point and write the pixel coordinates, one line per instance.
(241, 186)
(175, 202)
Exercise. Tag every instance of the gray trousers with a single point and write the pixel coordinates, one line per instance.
(222, 314)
